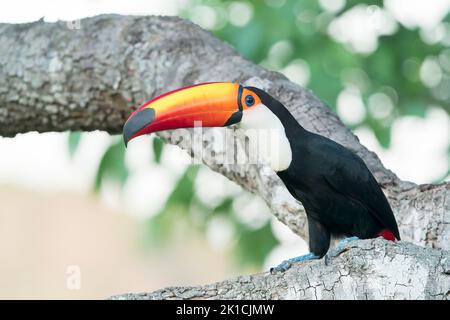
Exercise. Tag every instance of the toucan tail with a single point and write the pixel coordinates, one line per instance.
(387, 234)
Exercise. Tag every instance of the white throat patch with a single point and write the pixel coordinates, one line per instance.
(266, 137)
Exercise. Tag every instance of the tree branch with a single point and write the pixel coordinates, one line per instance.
(53, 78)
(370, 269)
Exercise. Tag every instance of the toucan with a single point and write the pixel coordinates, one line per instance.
(339, 193)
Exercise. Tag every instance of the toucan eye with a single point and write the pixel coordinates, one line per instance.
(249, 100)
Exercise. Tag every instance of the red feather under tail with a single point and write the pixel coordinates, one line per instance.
(387, 234)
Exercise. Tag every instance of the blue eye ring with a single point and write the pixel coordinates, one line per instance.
(249, 100)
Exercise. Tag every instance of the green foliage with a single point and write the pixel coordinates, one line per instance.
(157, 148)
(112, 165)
(176, 208)
(74, 139)
(253, 246)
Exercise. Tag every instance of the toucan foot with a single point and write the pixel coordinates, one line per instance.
(340, 247)
(286, 264)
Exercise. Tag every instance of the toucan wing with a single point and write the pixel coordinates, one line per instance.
(347, 174)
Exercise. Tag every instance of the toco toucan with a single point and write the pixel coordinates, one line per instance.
(337, 190)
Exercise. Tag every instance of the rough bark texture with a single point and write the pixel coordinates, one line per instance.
(56, 78)
(372, 269)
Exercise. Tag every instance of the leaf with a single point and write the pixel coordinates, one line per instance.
(253, 246)
(416, 108)
(158, 147)
(112, 165)
(384, 136)
(184, 191)
(74, 139)
(161, 226)
(224, 207)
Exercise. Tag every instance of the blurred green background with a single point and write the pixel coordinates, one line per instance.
(389, 70)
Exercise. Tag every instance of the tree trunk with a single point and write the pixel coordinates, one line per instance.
(55, 78)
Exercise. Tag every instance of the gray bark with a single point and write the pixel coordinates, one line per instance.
(56, 78)
(372, 269)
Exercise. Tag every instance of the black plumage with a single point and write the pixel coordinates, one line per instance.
(339, 193)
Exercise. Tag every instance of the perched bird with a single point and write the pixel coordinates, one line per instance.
(337, 190)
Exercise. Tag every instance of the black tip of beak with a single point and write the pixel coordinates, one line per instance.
(137, 122)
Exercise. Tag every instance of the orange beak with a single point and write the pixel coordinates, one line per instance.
(213, 104)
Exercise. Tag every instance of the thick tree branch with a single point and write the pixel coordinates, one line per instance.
(371, 269)
(53, 78)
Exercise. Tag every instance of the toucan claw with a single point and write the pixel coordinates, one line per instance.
(340, 247)
(286, 264)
